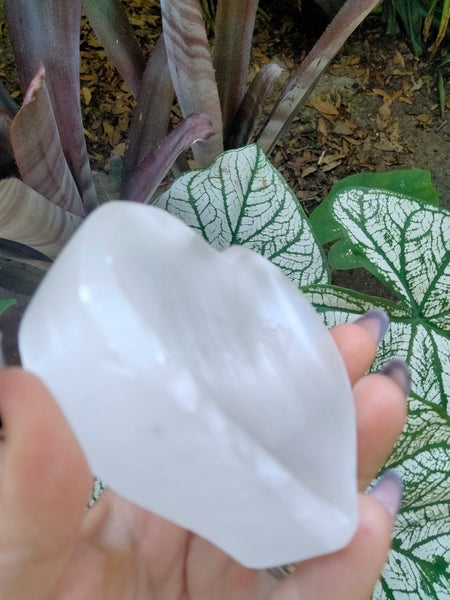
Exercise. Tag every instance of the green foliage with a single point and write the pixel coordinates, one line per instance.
(5, 304)
(418, 19)
(389, 224)
(411, 14)
(209, 13)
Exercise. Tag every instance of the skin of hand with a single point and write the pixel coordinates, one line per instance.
(53, 548)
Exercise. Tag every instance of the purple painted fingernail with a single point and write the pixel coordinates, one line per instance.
(399, 371)
(388, 490)
(375, 322)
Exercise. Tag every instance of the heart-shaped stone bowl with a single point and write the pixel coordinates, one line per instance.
(202, 385)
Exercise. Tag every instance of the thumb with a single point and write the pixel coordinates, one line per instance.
(44, 481)
(351, 573)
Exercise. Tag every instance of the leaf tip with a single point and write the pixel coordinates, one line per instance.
(35, 85)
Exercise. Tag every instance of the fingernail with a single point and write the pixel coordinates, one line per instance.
(399, 371)
(388, 490)
(375, 322)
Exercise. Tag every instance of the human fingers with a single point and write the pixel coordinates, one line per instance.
(380, 409)
(358, 341)
(351, 573)
(44, 484)
(380, 399)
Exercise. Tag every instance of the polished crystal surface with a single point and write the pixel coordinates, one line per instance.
(201, 384)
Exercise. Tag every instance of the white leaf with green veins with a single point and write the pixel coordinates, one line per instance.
(242, 199)
(406, 244)
(419, 561)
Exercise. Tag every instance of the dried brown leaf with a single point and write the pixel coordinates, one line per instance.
(398, 59)
(322, 127)
(324, 107)
(331, 166)
(425, 119)
(87, 95)
(308, 171)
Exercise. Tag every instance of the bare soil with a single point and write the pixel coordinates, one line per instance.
(377, 108)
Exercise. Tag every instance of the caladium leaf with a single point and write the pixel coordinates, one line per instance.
(39, 156)
(405, 243)
(29, 218)
(418, 565)
(306, 75)
(150, 122)
(152, 170)
(250, 109)
(242, 199)
(338, 305)
(412, 183)
(234, 24)
(192, 70)
(52, 32)
(112, 27)
(395, 238)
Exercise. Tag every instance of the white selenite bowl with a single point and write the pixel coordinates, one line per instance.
(202, 385)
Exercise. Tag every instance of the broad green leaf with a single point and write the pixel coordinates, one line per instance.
(234, 24)
(242, 199)
(307, 74)
(394, 238)
(154, 167)
(112, 27)
(192, 70)
(40, 156)
(404, 242)
(51, 29)
(411, 183)
(29, 218)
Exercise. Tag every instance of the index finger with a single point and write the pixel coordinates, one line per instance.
(358, 341)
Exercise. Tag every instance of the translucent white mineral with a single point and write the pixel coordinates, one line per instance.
(201, 384)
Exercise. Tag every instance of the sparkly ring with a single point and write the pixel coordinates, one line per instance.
(97, 489)
(283, 571)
